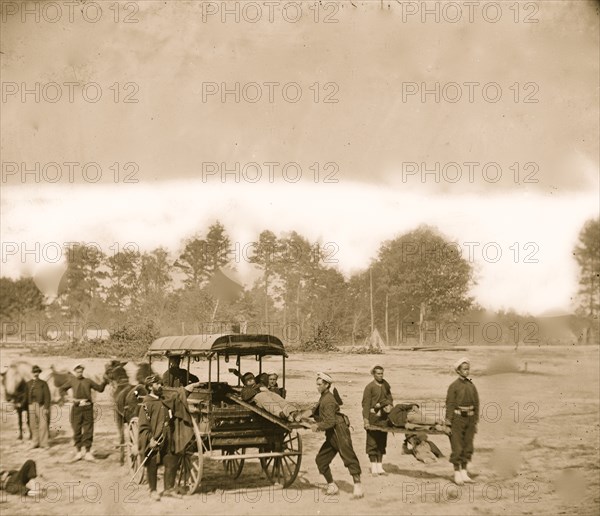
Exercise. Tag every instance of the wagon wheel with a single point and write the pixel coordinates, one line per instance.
(191, 464)
(284, 470)
(234, 467)
(132, 452)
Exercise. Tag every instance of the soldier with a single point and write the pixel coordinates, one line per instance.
(377, 402)
(268, 400)
(274, 387)
(15, 481)
(38, 400)
(156, 428)
(82, 413)
(176, 376)
(337, 436)
(462, 416)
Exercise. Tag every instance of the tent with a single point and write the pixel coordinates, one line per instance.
(375, 341)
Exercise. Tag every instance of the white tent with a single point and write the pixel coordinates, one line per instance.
(375, 341)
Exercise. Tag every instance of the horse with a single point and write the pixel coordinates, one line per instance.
(126, 396)
(14, 382)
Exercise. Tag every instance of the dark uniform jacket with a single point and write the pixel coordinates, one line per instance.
(155, 419)
(249, 391)
(462, 393)
(327, 412)
(177, 377)
(154, 422)
(82, 388)
(376, 393)
(38, 392)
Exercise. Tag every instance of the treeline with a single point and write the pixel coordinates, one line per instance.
(416, 287)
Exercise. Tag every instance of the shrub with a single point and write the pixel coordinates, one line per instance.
(324, 338)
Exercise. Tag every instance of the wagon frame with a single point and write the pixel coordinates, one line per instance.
(222, 421)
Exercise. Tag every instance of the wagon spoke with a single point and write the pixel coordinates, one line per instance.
(290, 471)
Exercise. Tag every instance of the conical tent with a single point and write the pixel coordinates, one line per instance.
(375, 341)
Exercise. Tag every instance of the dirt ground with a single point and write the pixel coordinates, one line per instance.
(537, 450)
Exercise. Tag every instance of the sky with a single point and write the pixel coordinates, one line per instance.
(350, 133)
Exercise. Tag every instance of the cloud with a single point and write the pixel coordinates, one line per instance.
(520, 243)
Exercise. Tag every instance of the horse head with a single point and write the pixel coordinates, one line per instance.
(144, 370)
(14, 379)
(115, 372)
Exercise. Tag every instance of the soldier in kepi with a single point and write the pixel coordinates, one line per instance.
(462, 416)
(82, 413)
(377, 402)
(337, 436)
(38, 401)
(159, 437)
(176, 376)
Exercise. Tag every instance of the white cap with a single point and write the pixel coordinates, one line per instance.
(461, 361)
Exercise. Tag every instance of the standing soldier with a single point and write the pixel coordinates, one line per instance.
(337, 436)
(156, 428)
(176, 376)
(38, 399)
(376, 403)
(82, 413)
(462, 416)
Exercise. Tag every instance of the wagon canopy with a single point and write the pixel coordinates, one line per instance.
(219, 344)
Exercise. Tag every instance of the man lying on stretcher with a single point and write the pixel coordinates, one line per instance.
(268, 400)
(412, 416)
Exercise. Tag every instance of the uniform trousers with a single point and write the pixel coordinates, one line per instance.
(337, 440)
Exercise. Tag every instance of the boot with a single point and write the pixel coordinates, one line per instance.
(380, 469)
(458, 478)
(358, 491)
(154, 496)
(171, 493)
(89, 457)
(465, 476)
(78, 456)
(374, 469)
(332, 489)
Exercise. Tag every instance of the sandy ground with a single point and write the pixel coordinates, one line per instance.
(537, 450)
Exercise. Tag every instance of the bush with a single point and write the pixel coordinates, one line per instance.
(130, 342)
(324, 338)
(366, 350)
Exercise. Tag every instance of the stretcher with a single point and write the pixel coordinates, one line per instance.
(411, 428)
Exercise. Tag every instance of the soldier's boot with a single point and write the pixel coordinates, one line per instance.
(332, 489)
(358, 491)
(465, 476)
(458, 478)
